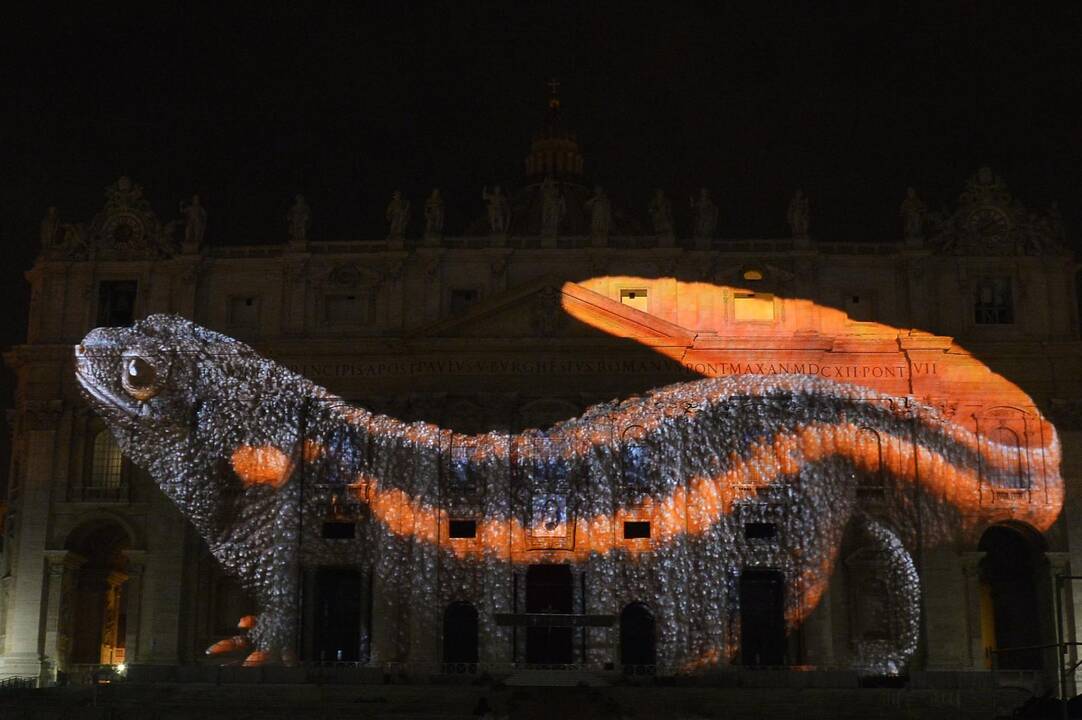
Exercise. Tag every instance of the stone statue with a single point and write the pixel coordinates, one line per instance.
(50, 226)
(706, 215)
(298, 219)
(553, 207)
(600, 213)
(124, 194)
(398, 214)
(195, 223)
(498, 210)
(661, 213)
(434, 214)
(1055, 223)
(912, 212)
(797, 215)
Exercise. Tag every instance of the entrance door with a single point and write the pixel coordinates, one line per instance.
(1009, 576)
(548, 590)
(762, 617)
(638, 646)
(338, 614)
(460, 633)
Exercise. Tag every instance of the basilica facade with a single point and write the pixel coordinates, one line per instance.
(553, 300)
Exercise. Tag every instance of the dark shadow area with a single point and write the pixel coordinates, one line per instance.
(97, 622)
(762, 618)
(460, 633)
(549, 591)
(1010, 574)
(638, 640)
(339, 598)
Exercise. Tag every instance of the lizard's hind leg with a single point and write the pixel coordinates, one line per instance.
(887, 598)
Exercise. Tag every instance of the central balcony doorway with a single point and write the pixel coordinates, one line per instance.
(549, 591)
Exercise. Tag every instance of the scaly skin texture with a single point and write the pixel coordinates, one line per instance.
(258, 457)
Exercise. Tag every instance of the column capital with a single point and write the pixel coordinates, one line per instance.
(137, 559)
(1058, 561)
(61, 560)
(971, 561)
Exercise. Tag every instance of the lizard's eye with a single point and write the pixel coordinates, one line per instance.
(139, 378)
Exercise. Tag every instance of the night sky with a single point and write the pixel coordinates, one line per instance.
(346, 103)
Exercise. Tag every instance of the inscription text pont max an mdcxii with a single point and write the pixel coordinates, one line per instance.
(590, 366)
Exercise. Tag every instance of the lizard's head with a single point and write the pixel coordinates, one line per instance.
(179, 397)
(150, 382)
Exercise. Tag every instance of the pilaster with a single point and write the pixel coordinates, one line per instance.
(975, 610)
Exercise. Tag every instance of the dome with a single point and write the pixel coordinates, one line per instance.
(554, 151)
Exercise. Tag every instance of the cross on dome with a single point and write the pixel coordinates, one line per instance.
(554, 93)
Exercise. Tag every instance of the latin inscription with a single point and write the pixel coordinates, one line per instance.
(631, 366)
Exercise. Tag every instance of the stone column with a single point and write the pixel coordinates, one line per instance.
(945, 607)
(188, 272)
(136, 566)
(294, 292)
(38, 422)
(819, 632)
(162, 583)
(1059, 565)
(384, 618)
(976, 648)
(59, 609)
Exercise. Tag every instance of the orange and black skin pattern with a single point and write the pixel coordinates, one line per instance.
(260, 458)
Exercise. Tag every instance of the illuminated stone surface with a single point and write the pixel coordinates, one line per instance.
(256, 456)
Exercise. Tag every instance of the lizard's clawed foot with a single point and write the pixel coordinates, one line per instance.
(268, 657)
(235, 643)
(258, 657)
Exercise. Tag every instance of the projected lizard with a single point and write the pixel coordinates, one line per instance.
(255, 456)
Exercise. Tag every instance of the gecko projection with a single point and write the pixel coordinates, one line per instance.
(258, 457)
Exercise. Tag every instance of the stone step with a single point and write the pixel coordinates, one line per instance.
(555, 678)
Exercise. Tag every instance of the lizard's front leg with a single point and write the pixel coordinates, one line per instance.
(274, 635)
(269, 568)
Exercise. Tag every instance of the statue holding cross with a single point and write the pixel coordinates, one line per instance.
(554, 93)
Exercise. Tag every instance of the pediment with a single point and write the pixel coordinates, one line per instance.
(546, 307)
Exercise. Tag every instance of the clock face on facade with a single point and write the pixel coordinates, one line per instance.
(124, 230)
(990, 225)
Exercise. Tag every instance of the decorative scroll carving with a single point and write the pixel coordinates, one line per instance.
(989, 222)
(127, 227)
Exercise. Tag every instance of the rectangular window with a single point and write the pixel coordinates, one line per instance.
(858, 306)
(116, 302)
(753, 306)
(344, 308)
(462, 298)
(634, 297)
(636, 529)
(339, 530)
(463, 529)
(760, 531)
(244, 311)
(994, 304)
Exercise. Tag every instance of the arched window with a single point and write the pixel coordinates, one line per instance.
(636, 460)
(106, 464)
(871, 484)
(1011, 447)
